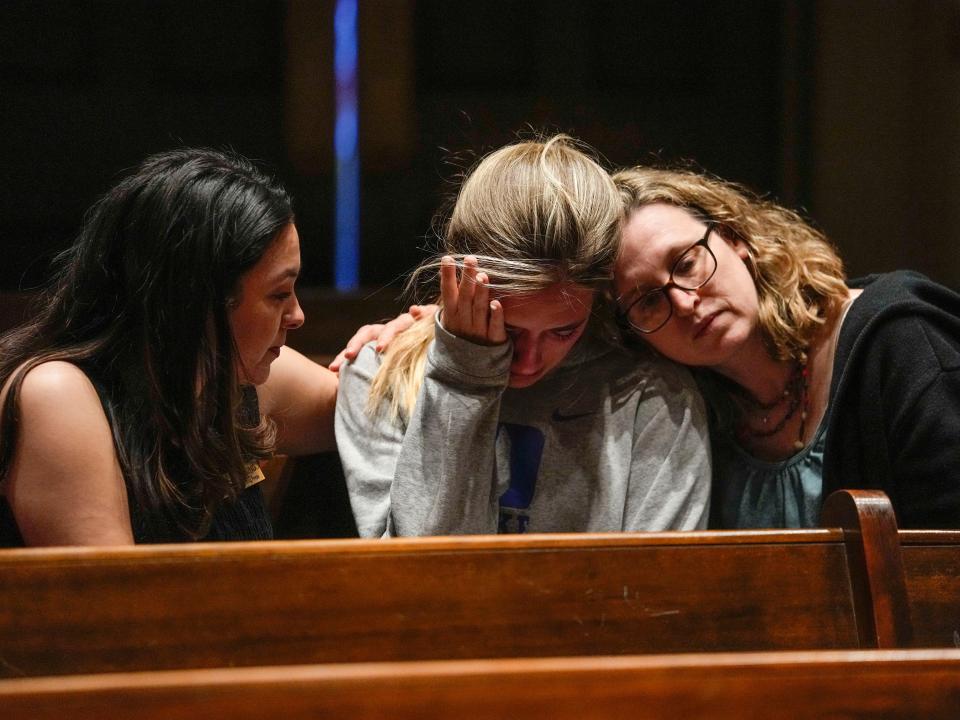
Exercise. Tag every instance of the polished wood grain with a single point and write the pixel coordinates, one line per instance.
(931, 560)
(880, 594)
(82, 610)
(854, 684)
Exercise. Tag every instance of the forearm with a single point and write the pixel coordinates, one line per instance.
(300, 396)
(445, 479)
(435, 473)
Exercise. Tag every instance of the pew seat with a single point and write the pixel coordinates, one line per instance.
(849, 684)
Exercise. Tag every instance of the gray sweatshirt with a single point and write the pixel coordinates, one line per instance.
(608, 441)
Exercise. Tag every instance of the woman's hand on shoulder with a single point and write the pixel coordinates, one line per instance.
(383, 333)
(64, 484)
(468, 311)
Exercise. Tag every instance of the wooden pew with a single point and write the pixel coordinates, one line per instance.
(878, 683)
(931, 560)
(915, 574)
(873, 551)
(84, 610)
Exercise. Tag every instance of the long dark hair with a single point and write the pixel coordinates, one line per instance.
(140, 302)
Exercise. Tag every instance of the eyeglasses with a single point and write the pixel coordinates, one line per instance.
(692, 270)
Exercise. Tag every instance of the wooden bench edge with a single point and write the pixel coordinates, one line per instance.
(878, 578)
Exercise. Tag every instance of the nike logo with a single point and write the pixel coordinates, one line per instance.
(558, 416)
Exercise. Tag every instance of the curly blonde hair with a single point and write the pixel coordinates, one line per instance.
(535, 214)
(799, 275)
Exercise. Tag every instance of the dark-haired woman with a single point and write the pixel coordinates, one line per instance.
(137, 403)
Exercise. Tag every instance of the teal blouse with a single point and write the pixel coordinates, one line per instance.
(752, 493)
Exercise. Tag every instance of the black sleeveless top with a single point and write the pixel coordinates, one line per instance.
(246, 518)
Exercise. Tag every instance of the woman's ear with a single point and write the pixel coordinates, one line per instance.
(731, 239)
(741, 248)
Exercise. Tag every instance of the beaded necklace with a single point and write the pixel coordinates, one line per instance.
(796, 392)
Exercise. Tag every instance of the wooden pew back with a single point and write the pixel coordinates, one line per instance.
(873, 550)
(82, 610)
(931, 560)
(888, 684)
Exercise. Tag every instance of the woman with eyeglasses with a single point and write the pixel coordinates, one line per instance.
(814, 383)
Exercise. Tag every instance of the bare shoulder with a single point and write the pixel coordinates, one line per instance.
(57, 391)
(54, 379)
(64, 482)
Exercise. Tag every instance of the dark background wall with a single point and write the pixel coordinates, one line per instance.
(849, 110)
(91, 88)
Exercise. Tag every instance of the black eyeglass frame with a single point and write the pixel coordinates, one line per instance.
(625, 314)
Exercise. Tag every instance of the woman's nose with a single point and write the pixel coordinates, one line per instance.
(684, 301)
(526, 355)
(294, 317)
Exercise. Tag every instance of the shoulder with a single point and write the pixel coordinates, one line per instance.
(364, 366)
(901, 294)
(59, 406)
(64, 483)
(362, 422)
(61, 421)
(898, 342)
(646, 372)
(909, 350)
(671, 377)
(895, 283)
(670, 390)
(58, 411)
(647, 386)
(357, 375)
(902, 315)
(57, 375)
(57, 388)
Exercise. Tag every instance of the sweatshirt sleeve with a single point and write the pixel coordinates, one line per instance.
(368, 444)
(437, 475)
(670, 474)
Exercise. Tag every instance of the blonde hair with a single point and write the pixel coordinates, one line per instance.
(799, 275)
(535, 214)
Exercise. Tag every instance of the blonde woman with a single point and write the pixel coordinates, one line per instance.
(814, 383)
(508, 411)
